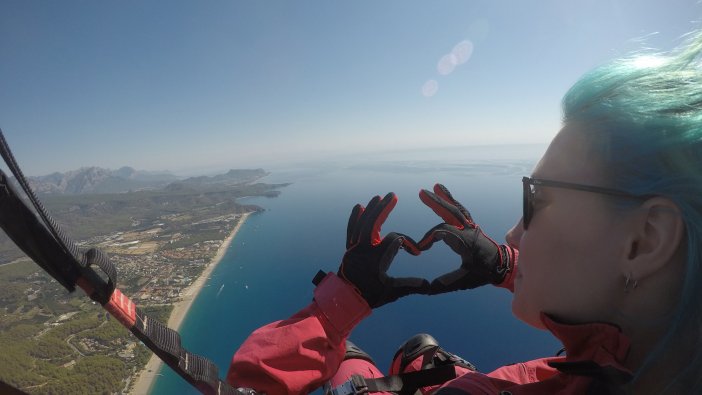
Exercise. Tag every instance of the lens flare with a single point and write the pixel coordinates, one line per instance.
(430, 88)
(462, 51)
(447, 64)
(460, 54)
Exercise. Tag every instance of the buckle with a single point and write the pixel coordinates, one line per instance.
(355, 385)
(98, 287)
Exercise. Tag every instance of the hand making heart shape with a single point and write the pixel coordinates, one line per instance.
(368, 256)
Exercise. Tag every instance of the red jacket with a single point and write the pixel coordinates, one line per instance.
(297, 355)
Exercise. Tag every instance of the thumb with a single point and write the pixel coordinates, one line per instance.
(404, 286)
(449, 282)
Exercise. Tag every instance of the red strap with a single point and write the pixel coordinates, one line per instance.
(119, 305)
(122, 308)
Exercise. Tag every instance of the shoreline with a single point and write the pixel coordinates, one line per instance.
(146, 377)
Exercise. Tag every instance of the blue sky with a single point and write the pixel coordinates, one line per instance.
(188, 85)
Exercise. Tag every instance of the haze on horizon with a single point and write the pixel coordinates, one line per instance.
(182, 85)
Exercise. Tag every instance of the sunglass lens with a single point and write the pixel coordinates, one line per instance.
(526, 201)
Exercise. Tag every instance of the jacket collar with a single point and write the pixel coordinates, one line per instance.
(593, 349)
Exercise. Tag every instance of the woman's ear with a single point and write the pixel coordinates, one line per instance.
(657, 233)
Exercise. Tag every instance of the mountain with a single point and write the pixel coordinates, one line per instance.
(96, 180)
(99, 180)
(230, 178)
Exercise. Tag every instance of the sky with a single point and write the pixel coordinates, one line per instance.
(190, 86)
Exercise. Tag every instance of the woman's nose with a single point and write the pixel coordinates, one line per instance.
(514, 235)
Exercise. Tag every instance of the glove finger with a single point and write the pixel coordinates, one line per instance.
(390, 246)
(444, 193)
(364, 218)
(449, 282)
(353, 225)
(370, 227)
(448, 212)
(409, 245)
(434, 234)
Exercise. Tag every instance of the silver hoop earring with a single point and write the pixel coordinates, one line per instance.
(630, 284)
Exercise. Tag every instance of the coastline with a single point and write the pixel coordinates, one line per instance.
(147, 375)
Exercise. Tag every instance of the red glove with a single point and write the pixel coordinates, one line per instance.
(483, 261)
(368, 256)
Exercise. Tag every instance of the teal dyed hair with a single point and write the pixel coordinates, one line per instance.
(643, 115)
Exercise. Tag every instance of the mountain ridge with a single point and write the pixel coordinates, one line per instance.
(98, 180)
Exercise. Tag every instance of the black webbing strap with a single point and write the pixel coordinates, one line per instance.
(43, 241)
(402, 384)
(51, 226)
(30, 235)
(7, 389)
(409, 383)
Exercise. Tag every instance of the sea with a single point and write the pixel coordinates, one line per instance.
(266, 274)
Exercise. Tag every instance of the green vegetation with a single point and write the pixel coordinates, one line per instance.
(19, 270)
(12, 296)
(195, 238)
(109, 331)
(51, 348)
(159, 313)
(55, 342)
(52, 358)
(90, 375)
(44, 351)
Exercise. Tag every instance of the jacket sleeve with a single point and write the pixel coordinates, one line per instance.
(299, 354)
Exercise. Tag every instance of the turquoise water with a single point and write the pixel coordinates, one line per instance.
(267, 271)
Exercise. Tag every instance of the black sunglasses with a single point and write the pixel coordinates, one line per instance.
(530, 185)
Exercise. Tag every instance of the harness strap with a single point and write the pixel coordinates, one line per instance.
(32, 237)
(45, 243)
(408, 383)
(403, 383)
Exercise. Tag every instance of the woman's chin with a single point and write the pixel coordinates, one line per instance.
(525, 314)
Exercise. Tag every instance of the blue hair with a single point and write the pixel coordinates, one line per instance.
(643, 114)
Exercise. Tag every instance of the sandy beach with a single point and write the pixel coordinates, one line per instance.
(147, 375)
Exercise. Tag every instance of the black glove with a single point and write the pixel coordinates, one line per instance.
(483, 261)
(368, 256)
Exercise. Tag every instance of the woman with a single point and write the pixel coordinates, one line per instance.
(606, 255)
